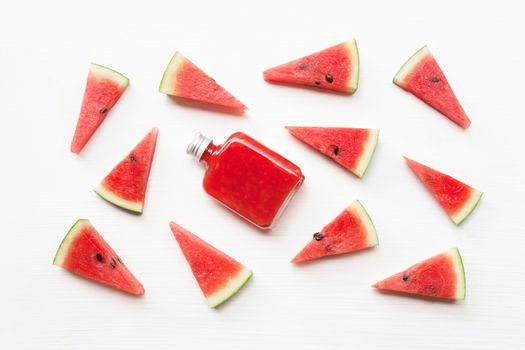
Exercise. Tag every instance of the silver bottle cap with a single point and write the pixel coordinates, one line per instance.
(198, 145)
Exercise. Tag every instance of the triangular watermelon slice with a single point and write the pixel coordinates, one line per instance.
(422, 76)
(350, 231)
(125, 186)
(335, 68)
(103, 89)
(84, 252)
(350, 147)
(456, 198)
(219, 276)
(184, 79)
(441, 276)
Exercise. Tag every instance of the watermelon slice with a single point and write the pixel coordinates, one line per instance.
(184, 79)
(125, 186)
(103, 89)
(456, 198)
(422, 77)
(84, 252)
(219, 276)
(350, 231)
(335, 68)
(351, 148)
(441, 276)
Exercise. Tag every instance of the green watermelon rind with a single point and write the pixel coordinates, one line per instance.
(410, 64)
(373, 239)
(233, 286)
(101, 71)
(468, 207)
(70, 236)
(167, 84)
(112, 198)
(367, 154)
(461, 285)
(353, 52)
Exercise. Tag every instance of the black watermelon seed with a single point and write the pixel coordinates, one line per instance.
(329, 78)
(336, 150)
(132, 158)
(434, 80)
(120, 261)
(99, 257)
(303, 66)
(405, 278)
(113, 263)
(317, 83)
(318, 236)
(103, 110)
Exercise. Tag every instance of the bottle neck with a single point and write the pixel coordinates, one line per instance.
(200, 147)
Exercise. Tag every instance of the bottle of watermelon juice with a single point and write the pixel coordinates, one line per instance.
(247, 177)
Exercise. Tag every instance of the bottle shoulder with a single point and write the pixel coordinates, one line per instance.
(249, 142)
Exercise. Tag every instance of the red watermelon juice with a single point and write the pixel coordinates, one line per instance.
(247, 177)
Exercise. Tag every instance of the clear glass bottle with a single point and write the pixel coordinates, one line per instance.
(247, 177)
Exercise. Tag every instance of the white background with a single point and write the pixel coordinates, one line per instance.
(46, 47)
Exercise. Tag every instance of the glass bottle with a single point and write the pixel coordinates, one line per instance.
(247, 177)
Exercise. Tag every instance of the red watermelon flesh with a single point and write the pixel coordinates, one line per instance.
(219, 276)
(184, 79)
(350, 231)
(441, 276)
(84, 252)
(125, 186)
(455, 197)
(335, 68)
(103, 89)
(422, 76)
(352, 148)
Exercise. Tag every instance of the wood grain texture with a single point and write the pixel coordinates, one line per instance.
(46, 50)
